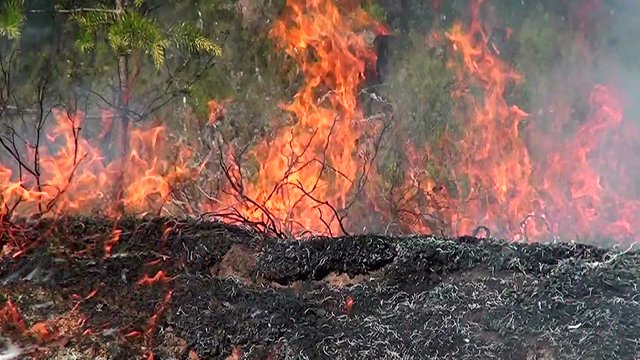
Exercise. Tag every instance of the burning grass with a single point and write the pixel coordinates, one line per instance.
(218, 288)
(481, 162)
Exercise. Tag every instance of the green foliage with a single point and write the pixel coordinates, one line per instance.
(540, 39)
(94, 20)
(187, 36)
(11, 18)
(85, 41)
(136, 32)
(251, 72)
(391, 170)
(420, 85)
(375, 10)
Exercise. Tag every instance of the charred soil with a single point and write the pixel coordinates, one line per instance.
(187, 289)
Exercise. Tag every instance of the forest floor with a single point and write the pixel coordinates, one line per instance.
(226, 292)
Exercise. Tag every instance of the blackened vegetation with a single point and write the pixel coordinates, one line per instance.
(287, 261)
(421, 297)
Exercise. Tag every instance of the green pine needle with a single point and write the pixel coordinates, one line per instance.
(11, 18)
(189, 37)
(136, 32)
(85, 41)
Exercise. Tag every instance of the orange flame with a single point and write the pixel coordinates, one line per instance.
(217, 110)
(498, 182)
(309, 172)
(314, 161)
(490, 163)
(74, 177)
(576, 189)
(493, 172)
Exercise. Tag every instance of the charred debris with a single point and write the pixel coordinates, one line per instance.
(188, 289)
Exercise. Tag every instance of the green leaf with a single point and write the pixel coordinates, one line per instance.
(11, 18)
(375, 10)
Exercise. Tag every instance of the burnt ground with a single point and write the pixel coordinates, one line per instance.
(233, 293)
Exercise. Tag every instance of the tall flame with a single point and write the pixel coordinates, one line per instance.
(314, 161)
(309, 171)
(499, 185)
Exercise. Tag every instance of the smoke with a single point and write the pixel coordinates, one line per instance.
(583, 120)
(624, 28)
(580, 69)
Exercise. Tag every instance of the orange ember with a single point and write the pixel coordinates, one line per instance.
(348, 304)
(10, 317)
(159, 277)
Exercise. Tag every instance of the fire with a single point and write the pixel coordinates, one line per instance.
(310, 171)
(575, 188)
(312, 165)
(71, 175)
(499, 184)
(491, 158)
(217, 110)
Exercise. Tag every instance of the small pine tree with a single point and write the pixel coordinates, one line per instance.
(127, 28)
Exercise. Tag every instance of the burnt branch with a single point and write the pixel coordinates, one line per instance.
(525, 222)
(29, 170)
(236, 182)
(298, 161)
(479, 229)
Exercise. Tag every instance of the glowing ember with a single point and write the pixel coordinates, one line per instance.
(159, 277)
(155, 318)
(10, 316)
(236, 353)
(348, 304)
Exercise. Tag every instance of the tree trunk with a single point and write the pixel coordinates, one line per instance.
(122, 115)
